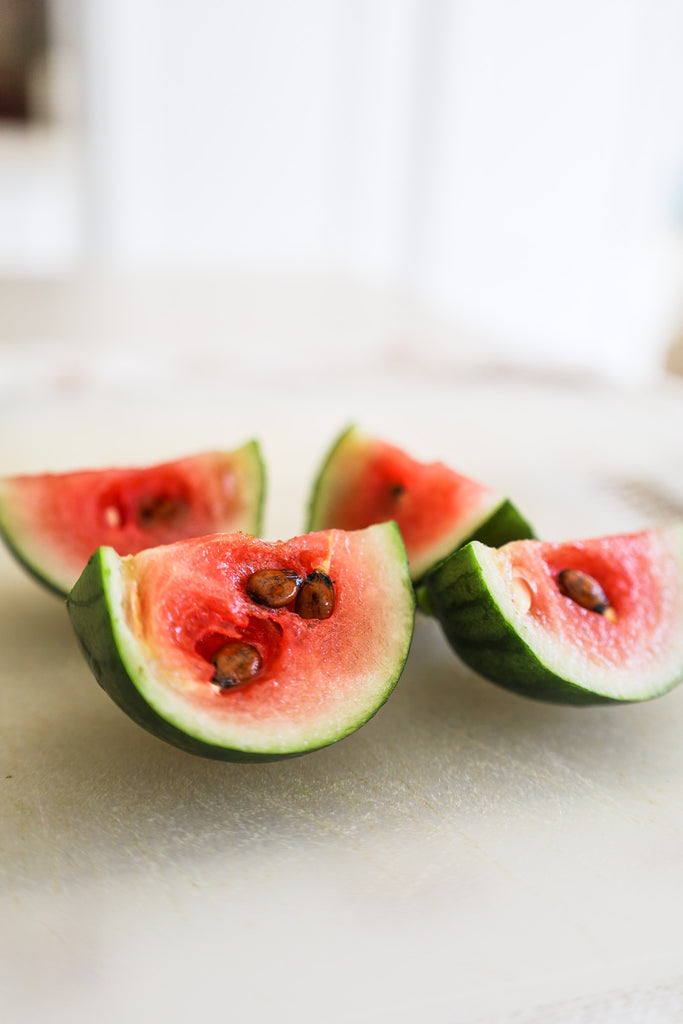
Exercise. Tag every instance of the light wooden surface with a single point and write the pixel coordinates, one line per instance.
(468, 856)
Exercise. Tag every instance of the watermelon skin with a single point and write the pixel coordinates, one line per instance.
(438, 511)
(51, 523)
(472, 597)
(113, 617)
(91, 616)
(505, 523)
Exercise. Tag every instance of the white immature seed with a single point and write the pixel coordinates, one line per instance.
(112, 517)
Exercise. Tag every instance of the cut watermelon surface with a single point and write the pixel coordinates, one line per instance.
(53, 522)
(365, 480)
(158, 627)
(508, 616)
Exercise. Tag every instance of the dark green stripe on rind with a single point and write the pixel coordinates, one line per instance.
(484, 639)
(91, 618)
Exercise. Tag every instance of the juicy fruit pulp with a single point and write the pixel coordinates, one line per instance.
(53, 522)
(364, 481)
(617, 636)
(155, 627)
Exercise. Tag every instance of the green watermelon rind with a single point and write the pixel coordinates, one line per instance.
(487, 640)
(28, 552)
(317, 491)
(92, 615)
(505, 523)
(8, 533)
(500, 522)
(252, 451)
(94, 606)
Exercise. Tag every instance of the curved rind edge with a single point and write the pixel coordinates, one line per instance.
(23, 560)
(504, 524)
(317, 490)
(251, 454)
(92, 620)
(255, 452)
(94, 623)
(483, 638)
(498, 526)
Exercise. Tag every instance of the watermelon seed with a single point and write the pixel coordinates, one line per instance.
(521, 594)
(112, 516)
(235, 664)
(585, 591)
(160, 509)
(397, 491)
(273, 587)
(316, 597)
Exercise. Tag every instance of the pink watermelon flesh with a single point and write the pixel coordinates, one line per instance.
(168, 610)
(641, 576)
(505, 613)
(53, 522)
(368, 481)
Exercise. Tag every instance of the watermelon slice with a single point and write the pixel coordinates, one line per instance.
(240, 649)
(582, 622)
(53, 522)
(364, 480)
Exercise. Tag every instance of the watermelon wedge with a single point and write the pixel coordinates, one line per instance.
(364, 480)
(53, 522)
(239, 649)
(588, 621)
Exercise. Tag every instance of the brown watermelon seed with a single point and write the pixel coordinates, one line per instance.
(397, 491)
(160, 509)
(316, 598)
(273, 587)
(585, 591)
(235, 664)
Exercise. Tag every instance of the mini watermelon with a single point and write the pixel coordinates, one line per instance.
(246, 650)
(53, 522)
(364, 481)
(590, 621)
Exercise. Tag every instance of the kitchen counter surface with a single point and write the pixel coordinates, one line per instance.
(468, 856)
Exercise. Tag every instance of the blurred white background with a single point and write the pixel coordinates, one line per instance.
(502, 179)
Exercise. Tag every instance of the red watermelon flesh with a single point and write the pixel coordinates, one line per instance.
(151, 623)
(366, 480)
(508, 615)
(53, 522)
(641, 577)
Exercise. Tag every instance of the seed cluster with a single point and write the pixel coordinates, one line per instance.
(313, 596)
(237, 663)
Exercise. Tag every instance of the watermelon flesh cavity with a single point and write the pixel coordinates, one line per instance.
(53, 522)
(506, 615)
(365, 480)
(151, 625)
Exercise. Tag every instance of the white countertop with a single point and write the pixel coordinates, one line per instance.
(468, 856)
